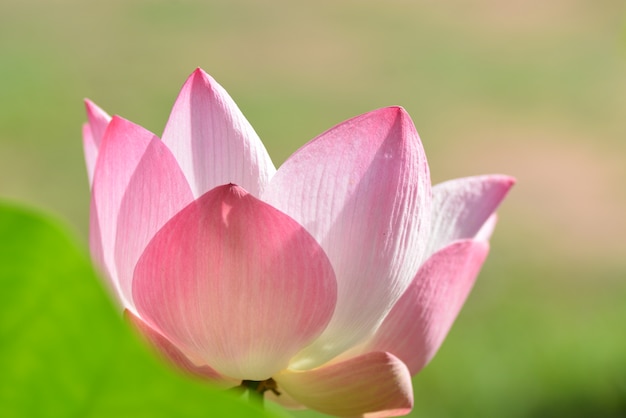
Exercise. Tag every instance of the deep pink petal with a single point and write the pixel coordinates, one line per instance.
(462, 206)
(212, 140)
(237, 282)
(374, 385)
(123, 146)
(174, 355)
(156, 191)
(93, 131)
(419, 322)
(363, 190)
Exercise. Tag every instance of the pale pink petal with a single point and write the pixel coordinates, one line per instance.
(237, 282)
(90, 150)
(174, 355)
(212, 140)
(418, 324)
(363, 190)
(373, 385)
(485, 232)
(123, 146)
(156, 191)
(93, 131)
(462, 206)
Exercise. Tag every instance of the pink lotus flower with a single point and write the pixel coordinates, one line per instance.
(331, 280)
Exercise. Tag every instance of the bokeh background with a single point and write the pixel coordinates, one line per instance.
(535, 89)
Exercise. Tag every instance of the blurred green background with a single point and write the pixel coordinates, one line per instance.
(534, 89)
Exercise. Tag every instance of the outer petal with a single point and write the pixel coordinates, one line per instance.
(90, 150)
(284, 399)
(236, 282)
(363, 190)
(212, 140)
(418, 324)
(123, 147)
(174, 355)
(93, 131)
(374, 385)
(485, 232)
(461, 207)
(156, 191)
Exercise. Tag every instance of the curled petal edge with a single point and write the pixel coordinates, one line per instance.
(372, 385)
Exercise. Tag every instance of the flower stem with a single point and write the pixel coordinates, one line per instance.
(254, 394)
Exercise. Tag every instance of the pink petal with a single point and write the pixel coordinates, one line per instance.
(236, 282)
(98, 121)
(462, 206)
(363, 191)
(123, 146)
(174, 355)
(93, 131)
(374, 385)
(156, 191)
(212, 140)
(418, 324)
(90, 150)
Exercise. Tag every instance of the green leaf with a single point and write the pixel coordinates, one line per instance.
(65, 351)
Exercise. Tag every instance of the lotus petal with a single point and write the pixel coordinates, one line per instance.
(419, 322)
(212, 140)
(236, 282)
(93, 131)
(373, 385)
(123, 146)
(363, 191)
(156, 191)
(173, 354)
(462, 206)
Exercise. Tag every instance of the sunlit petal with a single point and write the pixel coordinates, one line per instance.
(212, 140)
(363, 190)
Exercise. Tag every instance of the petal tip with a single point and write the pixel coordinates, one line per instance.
(391, 112)
(232, 190)
(505, 183)
(505, 180)
(199, 72)
(201, 76)
(95, 114)
(89, 104)
(397, 110)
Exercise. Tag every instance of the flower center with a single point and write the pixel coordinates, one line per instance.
(261, 386)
